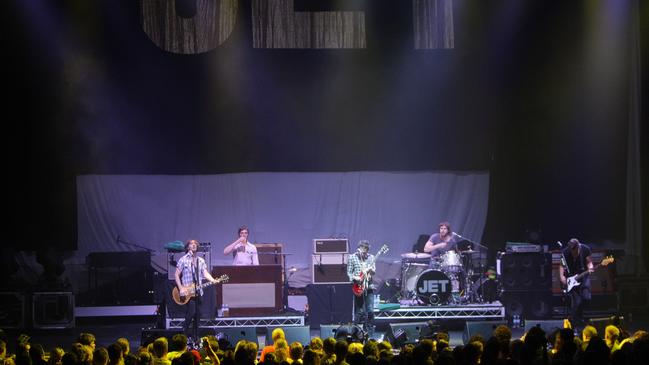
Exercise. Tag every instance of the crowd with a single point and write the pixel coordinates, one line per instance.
(614, 346)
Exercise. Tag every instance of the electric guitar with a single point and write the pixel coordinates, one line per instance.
(192, 289)
(575, 280)
(359, 287)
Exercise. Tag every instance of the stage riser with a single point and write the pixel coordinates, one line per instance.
(465, 312)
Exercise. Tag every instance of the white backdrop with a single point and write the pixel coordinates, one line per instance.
(290, 208)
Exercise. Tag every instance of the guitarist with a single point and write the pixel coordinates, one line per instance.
(578, 260)
(191, 269)
(360, 269)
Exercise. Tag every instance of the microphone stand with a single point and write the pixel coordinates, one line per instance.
(197, 297)
(285, 286)
(566, 272)
(120, 240)
(481, 248)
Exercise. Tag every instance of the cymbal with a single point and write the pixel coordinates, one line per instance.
(469, 251)
(413, 255)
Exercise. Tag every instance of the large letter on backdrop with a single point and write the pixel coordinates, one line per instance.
(207, 29)
(275, 24)
(433, 24)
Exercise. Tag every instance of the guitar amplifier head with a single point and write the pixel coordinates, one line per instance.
(330, 245)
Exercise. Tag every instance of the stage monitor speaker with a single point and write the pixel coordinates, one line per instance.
(403, 333)
(600, 323)
(300, 334)
(234, 335)
(328, 330)
(12, 310)
(53, 310)
(482, 328)
(526, 271)
(548, 326)
(329, 304)
(149, 335)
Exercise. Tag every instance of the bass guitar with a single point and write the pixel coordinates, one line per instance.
(191, 290)
(359, 287)
(575, 280)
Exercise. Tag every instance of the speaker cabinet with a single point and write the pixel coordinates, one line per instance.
(12, 310)
(527, 304)
(270, 253)
(548, 326)
(601, 323)
(151, 334)
(53, 310)
(234, 335)
(602, 281)
(526, 271)
(328, 330)
(482, 328)
(404, 333)
(300, 334)
(329, 304)
(329, 268)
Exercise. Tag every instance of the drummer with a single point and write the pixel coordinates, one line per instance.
(441, 242)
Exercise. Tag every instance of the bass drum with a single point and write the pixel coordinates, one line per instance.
(409, 274)
(434, 287)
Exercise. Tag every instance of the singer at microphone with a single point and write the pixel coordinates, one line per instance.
(191, 271)
(443, 241)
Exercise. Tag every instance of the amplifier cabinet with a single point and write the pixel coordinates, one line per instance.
(53, 310)
(329, 268)
(12, 310)
(270, 253)
(330, 245)
(602, 281)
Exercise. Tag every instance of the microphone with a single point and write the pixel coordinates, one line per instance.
(457, 235)
(563, 258)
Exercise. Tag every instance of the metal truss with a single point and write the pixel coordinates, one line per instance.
(286, 321)
(473, 311)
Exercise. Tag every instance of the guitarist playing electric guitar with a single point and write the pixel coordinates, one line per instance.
(577, 261)
(360, 269)
(190, 272)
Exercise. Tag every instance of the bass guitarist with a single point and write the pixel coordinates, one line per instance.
(191, 270)
(577, 261)
(360, 269)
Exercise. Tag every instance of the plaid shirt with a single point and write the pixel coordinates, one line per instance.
(185, 266)
(355, 265)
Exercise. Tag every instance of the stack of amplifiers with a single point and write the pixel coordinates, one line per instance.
(329, 261)
(526, 279)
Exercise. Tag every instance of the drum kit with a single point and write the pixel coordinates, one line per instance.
(448, 279)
